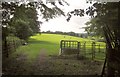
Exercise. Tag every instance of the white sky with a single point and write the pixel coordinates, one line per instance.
(60, 23)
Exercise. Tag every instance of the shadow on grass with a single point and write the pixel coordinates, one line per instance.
(34, 41)
(69, 57)
(16, 65)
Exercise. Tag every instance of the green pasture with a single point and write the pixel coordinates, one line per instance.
(50, 43)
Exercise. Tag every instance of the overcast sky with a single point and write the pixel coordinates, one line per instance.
(60, 23)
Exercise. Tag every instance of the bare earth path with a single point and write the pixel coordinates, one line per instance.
(65, 65)
(53, 65)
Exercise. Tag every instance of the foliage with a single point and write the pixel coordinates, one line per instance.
(15, 12)
(102, 14)
(21, 18)
(24, 19)
(12, 43)
(105, 20)
(107, 14)
(23, 31)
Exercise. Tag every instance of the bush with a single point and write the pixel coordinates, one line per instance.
(101, 40)
(23, 30)
(23, 42)
(13, 43)
(92, 38)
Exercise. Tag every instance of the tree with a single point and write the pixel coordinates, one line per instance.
(105, 22)
(23, 30)
(27, 13)
(106, 16)
(24, 19)
(20, 18)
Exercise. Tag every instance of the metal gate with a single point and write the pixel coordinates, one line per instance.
(70, 47)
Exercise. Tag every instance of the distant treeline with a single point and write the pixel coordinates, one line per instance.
(82, 35)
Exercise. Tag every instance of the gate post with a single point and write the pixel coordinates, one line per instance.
(61, 46)
(78, 49)
(93, 50)
(84, 48)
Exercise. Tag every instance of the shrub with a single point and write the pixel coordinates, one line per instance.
(13, 43)
(101, 40)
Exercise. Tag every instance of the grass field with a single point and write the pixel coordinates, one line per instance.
(40, 57)
(51, 44)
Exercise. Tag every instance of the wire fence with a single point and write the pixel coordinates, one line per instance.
(12, 43)
(93, 50)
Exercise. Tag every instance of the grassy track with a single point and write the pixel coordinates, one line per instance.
(51, 43)
(33, 59)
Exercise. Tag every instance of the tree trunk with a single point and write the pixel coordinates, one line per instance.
(110, 59)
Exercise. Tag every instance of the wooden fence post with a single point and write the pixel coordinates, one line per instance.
(64, 44)
(6, 48)
(93, 50)
(14, 42)
(61, 46)
(78, 49)
(84, 47)
(99, 47)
